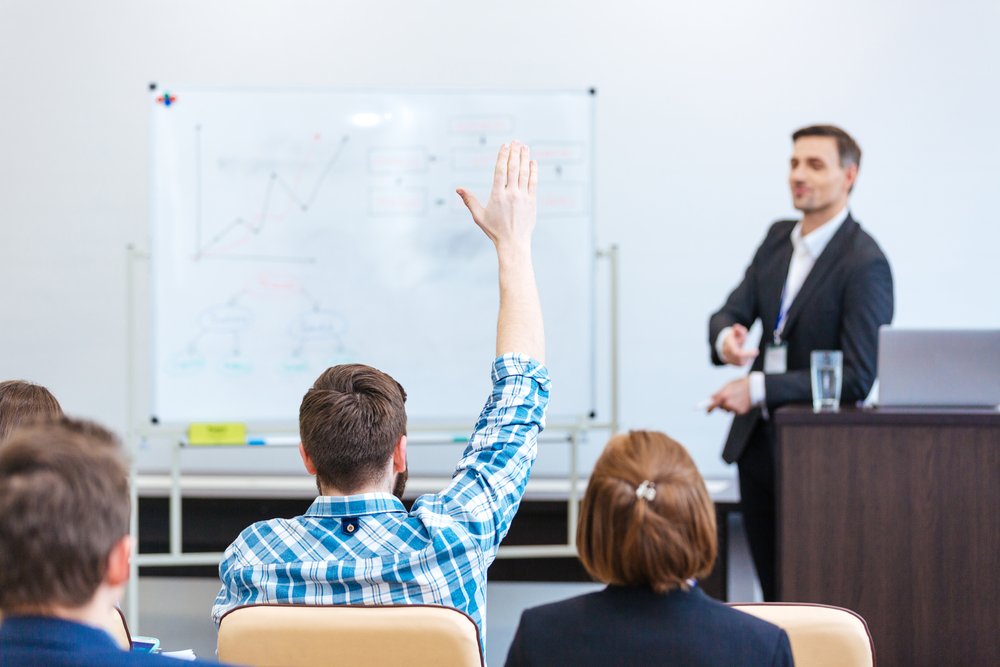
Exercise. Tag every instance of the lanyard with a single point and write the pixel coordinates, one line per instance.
(779, 325)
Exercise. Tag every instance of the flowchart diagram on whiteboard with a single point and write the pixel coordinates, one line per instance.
(297, 229)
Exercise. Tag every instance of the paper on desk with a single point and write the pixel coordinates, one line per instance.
(717, 485)
(185, 654)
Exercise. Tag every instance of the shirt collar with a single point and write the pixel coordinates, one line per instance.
(815, 242)
(356, 505)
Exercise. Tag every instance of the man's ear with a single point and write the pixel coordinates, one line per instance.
(118, 562)
(851, 176)
(399, 455)
(306, 460)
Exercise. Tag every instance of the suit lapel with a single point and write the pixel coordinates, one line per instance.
(777, 275)
(821, 269)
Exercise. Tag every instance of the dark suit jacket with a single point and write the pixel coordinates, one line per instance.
(635, 626)
(843, 301)
(29, 641)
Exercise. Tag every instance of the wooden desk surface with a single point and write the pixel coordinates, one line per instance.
(803, 415)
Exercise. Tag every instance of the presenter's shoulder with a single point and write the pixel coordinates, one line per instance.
(865, 248)
(783, 226)
(779, 232)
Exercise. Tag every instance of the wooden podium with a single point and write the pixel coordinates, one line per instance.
(896, 515)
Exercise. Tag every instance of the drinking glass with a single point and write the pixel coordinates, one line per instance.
(826, 370)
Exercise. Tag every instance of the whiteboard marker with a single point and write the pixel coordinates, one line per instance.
(274, 440)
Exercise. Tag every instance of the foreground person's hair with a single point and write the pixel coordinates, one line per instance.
(22, 401)
(64, 505)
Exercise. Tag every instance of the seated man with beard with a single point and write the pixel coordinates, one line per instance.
(357, 543)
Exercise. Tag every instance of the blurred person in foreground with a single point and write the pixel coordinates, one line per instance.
(64, 545)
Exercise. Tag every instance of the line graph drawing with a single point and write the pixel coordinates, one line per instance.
(226, 243)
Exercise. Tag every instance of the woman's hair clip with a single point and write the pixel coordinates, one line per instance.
(646, 490)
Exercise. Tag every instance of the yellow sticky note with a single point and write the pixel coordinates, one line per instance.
(232, 433)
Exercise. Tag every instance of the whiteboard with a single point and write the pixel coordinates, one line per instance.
(297, 229)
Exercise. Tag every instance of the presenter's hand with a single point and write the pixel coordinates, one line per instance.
(509, 215)
(732, 347)
(733, 397)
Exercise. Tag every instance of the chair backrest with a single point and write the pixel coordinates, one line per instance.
(820, 635)
(307, 635)
(118, 629)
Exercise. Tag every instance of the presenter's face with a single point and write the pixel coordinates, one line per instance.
(816, 178)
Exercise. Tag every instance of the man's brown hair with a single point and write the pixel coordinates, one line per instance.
(22, 401)
(847, 147)
(349, 422)
(646, 518)
(64, 504)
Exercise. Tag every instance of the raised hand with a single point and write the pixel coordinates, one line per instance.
(509, 214)
(509, 220)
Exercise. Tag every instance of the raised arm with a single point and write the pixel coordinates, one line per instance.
(508, 219)
(491, 476)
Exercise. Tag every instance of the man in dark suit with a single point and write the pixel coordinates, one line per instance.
(64, 546)
(819, 283)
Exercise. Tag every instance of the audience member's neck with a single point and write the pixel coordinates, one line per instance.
(95, 612)
(382, 486)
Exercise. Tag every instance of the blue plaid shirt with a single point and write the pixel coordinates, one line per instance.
(437, 553)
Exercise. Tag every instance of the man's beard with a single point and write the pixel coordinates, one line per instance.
(399, 484)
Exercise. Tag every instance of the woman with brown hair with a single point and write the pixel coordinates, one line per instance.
(647, 529)
(22, 401)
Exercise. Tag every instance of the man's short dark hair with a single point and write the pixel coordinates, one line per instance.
(349, 422)
(847, 147)
(64, 504)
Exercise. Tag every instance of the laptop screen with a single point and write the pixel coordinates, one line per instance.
(939, 367)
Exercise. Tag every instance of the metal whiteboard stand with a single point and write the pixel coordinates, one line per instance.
(132, 258)
(139, 433)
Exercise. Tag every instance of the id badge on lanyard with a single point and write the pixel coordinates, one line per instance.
(776, 357)
(776, 354)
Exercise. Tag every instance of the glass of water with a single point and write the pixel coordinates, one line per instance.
(826, 370)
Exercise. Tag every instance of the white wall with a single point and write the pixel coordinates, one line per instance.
(695, 107)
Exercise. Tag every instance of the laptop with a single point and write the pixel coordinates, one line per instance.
(939, 368)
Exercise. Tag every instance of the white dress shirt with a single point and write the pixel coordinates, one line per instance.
(805, 251)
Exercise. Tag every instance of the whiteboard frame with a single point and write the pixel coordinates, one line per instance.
(142, 419)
